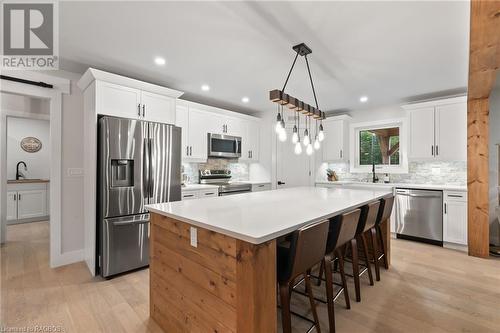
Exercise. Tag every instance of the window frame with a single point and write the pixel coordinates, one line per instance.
(355, 130)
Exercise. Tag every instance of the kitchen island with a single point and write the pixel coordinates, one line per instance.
(213, 260)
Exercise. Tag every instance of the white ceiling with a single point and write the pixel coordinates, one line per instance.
(389, 51)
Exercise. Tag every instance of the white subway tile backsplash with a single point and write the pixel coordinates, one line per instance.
(239, 171)
(451, 173)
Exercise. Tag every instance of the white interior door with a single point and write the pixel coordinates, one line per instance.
(292, 170)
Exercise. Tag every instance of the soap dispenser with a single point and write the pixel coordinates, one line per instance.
(386, 178)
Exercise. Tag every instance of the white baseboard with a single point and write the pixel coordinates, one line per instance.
(67, 258)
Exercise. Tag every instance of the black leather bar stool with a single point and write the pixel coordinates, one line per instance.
(296, 257)
(377, 238)
(367, 221)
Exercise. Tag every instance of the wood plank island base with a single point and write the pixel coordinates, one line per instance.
(208, 274)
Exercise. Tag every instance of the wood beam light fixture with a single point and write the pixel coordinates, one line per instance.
(298, 107)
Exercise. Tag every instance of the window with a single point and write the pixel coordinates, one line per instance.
(381, 143)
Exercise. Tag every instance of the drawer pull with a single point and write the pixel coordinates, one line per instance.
(262, 185)
(210, 193)
(188, 195)
(455, 196)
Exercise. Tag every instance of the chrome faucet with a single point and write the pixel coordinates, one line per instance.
(19, 174)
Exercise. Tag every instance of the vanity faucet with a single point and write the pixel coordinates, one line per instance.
(19, 174)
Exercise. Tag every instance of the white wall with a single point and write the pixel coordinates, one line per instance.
(494, 140)
(38, 163)
(72, 157)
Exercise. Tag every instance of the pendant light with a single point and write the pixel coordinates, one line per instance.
(299, 107)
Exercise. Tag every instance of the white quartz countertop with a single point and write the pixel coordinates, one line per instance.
(197, 187)
(443, 187)
(258, 217)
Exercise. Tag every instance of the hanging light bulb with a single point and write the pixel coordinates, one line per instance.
(316, 143)
(321, 134)
(282, 135)
(307, 141)
(278, 123)
(298, 148)
(309, 149)
(295, 134)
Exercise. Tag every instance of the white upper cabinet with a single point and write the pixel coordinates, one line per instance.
(250, 142)
(422, 133)
(438, 129)
(336, 142)
(119, 101)
(158, 108)
(182, 121)
(200, 122)
(115, 95)
(197, 120)
(451, 131)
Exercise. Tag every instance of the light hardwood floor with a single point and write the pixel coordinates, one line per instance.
(427, 289)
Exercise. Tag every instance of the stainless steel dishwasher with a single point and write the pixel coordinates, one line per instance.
(419, 215)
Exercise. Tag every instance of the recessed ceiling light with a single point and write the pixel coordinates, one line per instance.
(245, 99)
(205, 87)
(363, 99)
(160, 61)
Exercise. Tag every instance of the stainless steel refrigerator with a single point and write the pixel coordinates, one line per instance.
(139, 163)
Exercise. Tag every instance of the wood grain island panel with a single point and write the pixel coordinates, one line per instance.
(222, 285)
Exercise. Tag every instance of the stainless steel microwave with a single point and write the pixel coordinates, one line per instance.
(224, 146)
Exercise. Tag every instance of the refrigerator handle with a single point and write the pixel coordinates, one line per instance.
(150, 157)
(145, 170)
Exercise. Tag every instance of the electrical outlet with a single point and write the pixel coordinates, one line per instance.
(75, 172)
(194, 237)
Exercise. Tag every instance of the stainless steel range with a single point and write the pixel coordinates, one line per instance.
(223, 179)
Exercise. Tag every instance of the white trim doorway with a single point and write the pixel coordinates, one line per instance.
(55, 101)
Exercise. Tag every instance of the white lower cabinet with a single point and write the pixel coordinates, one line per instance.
(198, 194)
(11, 205)
(31, 203)
(27, 201)
(261, 187)
(455, 217)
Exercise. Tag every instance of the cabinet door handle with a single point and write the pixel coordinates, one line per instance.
(143, 110)
(432, 150)
(15, 197)
(445, 208)
(139, 109)
(187, 150)
(19, 197)
(340, 153)
(437, 150)
(251, 153)
(191, 151)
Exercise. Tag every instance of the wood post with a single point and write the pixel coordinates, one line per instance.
(484, 61)
(478, 230)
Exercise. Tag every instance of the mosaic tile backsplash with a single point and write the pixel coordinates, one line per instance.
(239, 171)
(451, 173)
